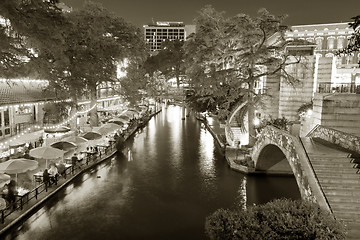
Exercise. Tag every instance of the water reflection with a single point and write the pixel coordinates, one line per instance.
(177, 178)
(206, 157)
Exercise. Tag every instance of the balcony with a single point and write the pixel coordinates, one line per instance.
(338, 88)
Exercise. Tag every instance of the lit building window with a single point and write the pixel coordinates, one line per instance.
(319, 41)
(340, 42)
(330, 42)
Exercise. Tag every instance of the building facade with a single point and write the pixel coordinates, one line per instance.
(156, 33)
(328, 81)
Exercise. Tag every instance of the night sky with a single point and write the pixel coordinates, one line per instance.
(300, 12)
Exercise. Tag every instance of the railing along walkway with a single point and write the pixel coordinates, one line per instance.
(31, 199)
(33, 195)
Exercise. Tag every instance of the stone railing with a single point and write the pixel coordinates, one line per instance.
(345, 140)
(298, 160)
(229, 134)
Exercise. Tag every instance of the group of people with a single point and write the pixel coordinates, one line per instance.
(50, 176)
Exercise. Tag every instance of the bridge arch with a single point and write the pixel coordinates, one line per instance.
(274, 149)
(272, 159)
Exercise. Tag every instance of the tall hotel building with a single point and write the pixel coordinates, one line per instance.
(155, 34)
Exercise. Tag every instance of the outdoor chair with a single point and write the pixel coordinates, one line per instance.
(38, 179)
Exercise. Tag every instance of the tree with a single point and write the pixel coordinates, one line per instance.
(76, 51)
(354, 40)
(169, 61)
(226, 58)
(27, 26)
(279, 219)
(133, 85)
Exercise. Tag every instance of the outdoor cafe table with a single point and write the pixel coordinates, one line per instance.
(22, 193)
(39, 175)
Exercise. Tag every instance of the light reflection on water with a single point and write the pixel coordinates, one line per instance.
(177, 177)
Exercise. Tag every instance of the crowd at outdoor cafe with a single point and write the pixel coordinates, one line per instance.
(44, 162)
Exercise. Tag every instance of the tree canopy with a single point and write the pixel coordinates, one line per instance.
(354, 40)
(228, 56)
(27, 27)
(169, 60)
(77, 51)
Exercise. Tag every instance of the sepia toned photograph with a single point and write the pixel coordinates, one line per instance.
(179, 120)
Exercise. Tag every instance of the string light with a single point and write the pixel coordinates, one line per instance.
(4, 144)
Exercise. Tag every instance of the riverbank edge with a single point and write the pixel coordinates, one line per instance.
(231, 162)
(39, 204)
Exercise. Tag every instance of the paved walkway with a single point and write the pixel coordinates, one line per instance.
(34, 204)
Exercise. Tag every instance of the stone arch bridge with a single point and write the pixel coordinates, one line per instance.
(276, 151)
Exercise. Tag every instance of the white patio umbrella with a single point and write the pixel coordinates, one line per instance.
(64, 145)
(76, 139)
(92, 135)
(2, 204)
(4, 179)
(47, 153)
(118, 121)
(131, 113)
(108, 128)
(19, 165)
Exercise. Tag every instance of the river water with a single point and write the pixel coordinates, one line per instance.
(170, 176)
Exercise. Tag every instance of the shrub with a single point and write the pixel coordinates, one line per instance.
(280, 123)
(279, 219)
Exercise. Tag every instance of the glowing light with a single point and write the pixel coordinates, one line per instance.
(309, 112)
(256, 121)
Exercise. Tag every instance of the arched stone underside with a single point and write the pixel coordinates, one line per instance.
(273, 146)
(236, 133)
(272, 160)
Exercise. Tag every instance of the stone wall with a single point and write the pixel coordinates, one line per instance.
(345, 140)
(270, 102)
(337, 111)
(292, 96)
(324, 70)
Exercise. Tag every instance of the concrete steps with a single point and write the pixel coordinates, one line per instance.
(339, 175)
(339, 182)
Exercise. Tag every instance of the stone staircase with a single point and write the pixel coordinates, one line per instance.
(339, 182)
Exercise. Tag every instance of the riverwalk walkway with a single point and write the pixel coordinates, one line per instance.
(33, 200)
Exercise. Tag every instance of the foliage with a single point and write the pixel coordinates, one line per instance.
(280, 123)
(56, 112)
(28, 25)
(226, 57)
(169, 60)
(279, 219)
(77, 51)
(354, 40)
(133, 85)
